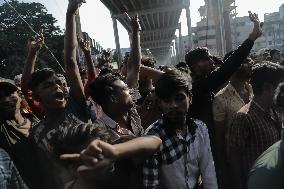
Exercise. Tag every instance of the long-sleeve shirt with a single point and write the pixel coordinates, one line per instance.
(203, 89)
(181, 159)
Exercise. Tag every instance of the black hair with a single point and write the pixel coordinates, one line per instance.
(183, 67)
(40, 76)
(171, 82)
(83, 72)
(193, 56)
(150, 62)
(273, 51)
(102, 88)
(265, 72)
(6, 89)
(73, 140)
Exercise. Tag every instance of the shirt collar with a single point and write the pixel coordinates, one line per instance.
(108, 121)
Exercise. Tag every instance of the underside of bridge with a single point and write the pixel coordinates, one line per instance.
(159, 20)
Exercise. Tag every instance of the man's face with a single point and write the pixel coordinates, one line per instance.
(245, 70)
(175, 108)
(123, 99)
(202, 67)
(10, 105)
(51, 93)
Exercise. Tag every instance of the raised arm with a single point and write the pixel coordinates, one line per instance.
(70, 47)
(151, 73)
(134, 63)
(34, 46)
(231, 64)
(86, 48)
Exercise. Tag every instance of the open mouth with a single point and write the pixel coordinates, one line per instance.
(59, 96)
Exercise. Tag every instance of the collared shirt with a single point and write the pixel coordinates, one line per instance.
(181, 159)
(253, 131)
(9, 175)
(268, 169)
(227, 102)
(135, 121)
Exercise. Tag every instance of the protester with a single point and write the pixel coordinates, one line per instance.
(227, 102)
(9, 175)
(275, 56)
(206, 82)
(112, 94)
(61, 112)
(185, 152)
(117, 168)
(256, 126)
(15, 128)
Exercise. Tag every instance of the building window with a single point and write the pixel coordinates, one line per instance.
(270, 42)
(269, 34)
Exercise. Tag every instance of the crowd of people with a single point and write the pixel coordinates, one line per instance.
(205, 123)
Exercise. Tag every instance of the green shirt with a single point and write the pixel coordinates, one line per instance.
(268, 170)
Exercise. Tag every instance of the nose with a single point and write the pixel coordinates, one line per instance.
(173, 104)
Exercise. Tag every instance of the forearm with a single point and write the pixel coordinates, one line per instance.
(70, 43)
(28, 70)
(134, 64)
(138, 147)
(151, 73)
(90, 66)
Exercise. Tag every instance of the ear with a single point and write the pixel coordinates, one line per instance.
(190, 99)
(112, 99)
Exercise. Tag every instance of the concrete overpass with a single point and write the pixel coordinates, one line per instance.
(159, 20)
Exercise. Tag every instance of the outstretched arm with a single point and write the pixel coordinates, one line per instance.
(97, 149)
(70, 46)
(134, 63)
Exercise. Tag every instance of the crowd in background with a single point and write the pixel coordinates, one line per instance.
(208, 122)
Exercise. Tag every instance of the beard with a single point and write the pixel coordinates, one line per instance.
(172, 125)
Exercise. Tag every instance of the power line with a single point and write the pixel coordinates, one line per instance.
(31, 28)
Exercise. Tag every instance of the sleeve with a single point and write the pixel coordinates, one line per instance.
(238, 131)
(222, 75)
(151, 173)
(219, 108)
(207, 167)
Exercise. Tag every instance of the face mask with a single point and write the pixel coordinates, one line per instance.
(8, 107)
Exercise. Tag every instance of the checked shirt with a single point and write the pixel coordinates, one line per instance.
(181, 159)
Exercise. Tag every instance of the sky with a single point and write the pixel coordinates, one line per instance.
(96, 19)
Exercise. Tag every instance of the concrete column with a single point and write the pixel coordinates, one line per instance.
(177, 49)
(189, 27)
(227, 28)
(117, 44)
(180, 42)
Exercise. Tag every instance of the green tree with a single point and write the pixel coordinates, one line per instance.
(14, 34)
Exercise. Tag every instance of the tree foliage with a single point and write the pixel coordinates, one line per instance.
(14, 34)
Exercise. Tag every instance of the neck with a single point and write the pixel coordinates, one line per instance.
(174, 125)
(120, 117)
(263, 102)
(19, 118)
(238, 84)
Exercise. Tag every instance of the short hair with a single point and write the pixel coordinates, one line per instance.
(76, 138)
(6, 89)
(193, 56)
(265, 72)
(273, 51)
(102, 88)
(40, 76)
(183, 67)
(150, 62)
(171, 82)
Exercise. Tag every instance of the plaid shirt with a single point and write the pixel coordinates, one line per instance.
(9, 175)
(181, 159)
(253, 131)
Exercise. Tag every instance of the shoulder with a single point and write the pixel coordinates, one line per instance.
(201, 127)
(155, 128)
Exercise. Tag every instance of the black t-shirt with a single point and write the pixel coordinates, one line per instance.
(42, 135)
